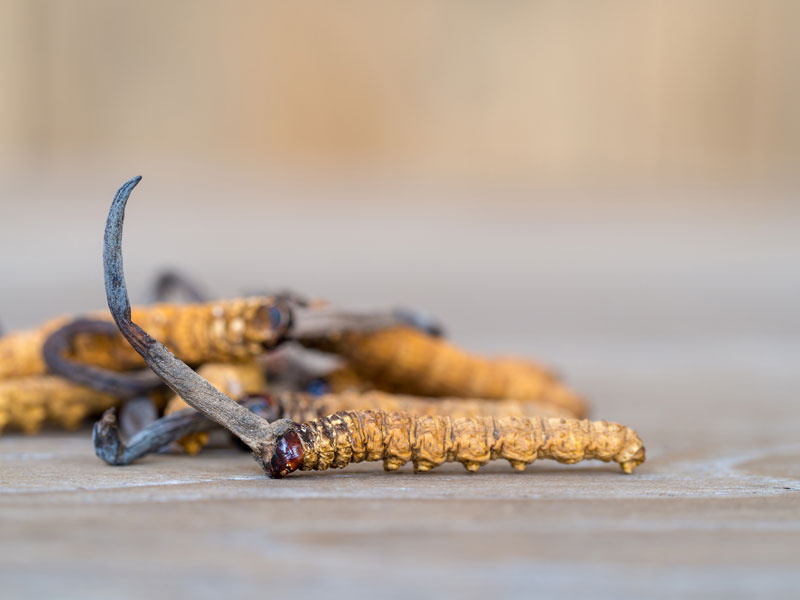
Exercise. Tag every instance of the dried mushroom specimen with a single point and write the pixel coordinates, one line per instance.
(285, 446)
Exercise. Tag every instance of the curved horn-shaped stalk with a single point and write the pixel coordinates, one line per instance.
(196, 391)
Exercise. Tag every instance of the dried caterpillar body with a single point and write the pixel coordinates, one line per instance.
(233, 380)
(225, 330)
(301, 407)
(430, 441)
(190, 428)
(27, 402)
(21, 351)
(404, 360)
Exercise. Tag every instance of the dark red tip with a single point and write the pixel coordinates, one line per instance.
(288, 455)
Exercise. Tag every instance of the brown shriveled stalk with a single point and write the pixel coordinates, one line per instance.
(396, 438)
(232, 379)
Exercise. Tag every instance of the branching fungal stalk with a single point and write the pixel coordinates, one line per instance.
(396, 438)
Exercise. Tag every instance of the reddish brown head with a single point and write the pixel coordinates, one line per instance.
(287, 455)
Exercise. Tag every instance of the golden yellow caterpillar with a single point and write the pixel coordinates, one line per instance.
(234, 380)
(247, 379)
(225, 330)
(407, 361)
(429, 441)
(26, 402)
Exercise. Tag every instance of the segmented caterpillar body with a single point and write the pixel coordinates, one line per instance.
(407, 361)
(429, 441)
(247, 380)
(27, 402)
(225, 330)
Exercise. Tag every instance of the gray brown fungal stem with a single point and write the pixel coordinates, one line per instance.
(122, 385)
(111, 447)
(254, 431)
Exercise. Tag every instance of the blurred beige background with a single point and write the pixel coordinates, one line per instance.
(574, 162)
(535, 91)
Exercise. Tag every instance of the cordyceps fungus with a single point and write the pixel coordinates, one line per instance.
(259, 435)
(353, 436)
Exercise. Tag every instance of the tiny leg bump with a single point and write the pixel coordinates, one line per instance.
(429, 441)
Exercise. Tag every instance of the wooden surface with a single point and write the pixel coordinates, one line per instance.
(681, 324)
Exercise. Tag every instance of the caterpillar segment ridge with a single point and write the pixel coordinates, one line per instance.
(397, 438)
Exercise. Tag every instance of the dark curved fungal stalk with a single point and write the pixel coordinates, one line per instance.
(122, 385)
(258, 434)
(111, 446)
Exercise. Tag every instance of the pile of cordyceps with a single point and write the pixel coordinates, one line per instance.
(304, 385)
